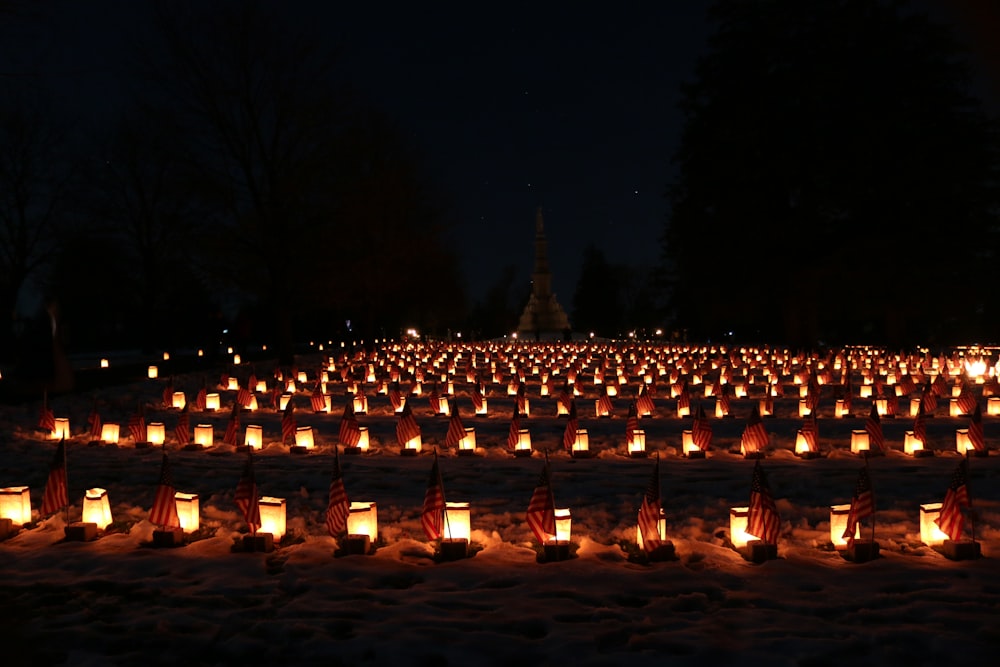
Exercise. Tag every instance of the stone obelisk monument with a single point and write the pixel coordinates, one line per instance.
(543, 316)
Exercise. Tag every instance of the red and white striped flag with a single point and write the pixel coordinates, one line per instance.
(317, 399)
(56, 494)
(182, 432)
(572, 424)
(432, 513)
(137, 425)
(763, 521)
(46, 418)
(541, 515)
(456, 431)
(605, 406)
(477, 396)
(631, 423)
(164, 511)
(521, 398)
(566, 395)
(168, 394)
(434, 400)
(275, 395)
(976, 430)
(810, 432)
(684, 399)
(94, 422)
(966, 400)
(201, 399)
(862, 504)
(288, 422)
(873, 426)
(723, 400)
(350, 432)
(649, 511)
(929, 398)
(246, 495)
(337, 507)
(395, 397)
(244, 396)
(644, 402)
(920, 425)
(701, 430)
(754, 434)
(951, 521)
(406, 428)
(514, 432)
(233, 426)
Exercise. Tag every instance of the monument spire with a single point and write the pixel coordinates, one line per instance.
(543, 314)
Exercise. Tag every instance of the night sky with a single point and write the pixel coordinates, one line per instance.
(513, 106)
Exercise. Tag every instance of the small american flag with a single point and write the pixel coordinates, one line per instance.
(395, 397)
(233, 426)
(275, 395)
(812, 393)
(200, 399)
(137, 425)
(337, 507)
(810, 432)
(644, 402)
(754, 434)
(56, 494)
(456, 431)
(763, 521)
(94, 421)
(168, 394)
(477, 396)
(288, 422)
(164, 511)
(966, 400)
(514, 433)
(605, 406)
(724, 404)
(862, 504)
(350, 432)
(244, 395)
(951, 521)
(569, 434)
(541, 516)
(434, 399)
(929, 398)
(406, 428)
(46, 418)
(246, 495)
(649, 511)
(566, 395)
(684, 399)
(701, 430)
(976, 430)
(920, 425)
(182, 432)
(432, 513)
(520, 398)
(873, 426)
(631, 422)
(317, 398)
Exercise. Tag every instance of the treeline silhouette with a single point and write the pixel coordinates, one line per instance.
(836, 181)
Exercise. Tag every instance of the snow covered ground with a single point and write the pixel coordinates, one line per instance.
(117, 600)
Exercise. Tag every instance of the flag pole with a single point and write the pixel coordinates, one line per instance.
(66, 475)
(868, 473)
(972, 512)
(440, 482)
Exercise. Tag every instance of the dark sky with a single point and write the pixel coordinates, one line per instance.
(514, 106)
